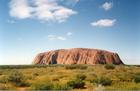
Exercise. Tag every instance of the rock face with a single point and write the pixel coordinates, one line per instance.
(77, 56)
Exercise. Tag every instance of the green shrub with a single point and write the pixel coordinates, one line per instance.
(136, 78)
(75, 66)
(70, 67)
(17, 78)
(61, 87)
(137, 65)
(82, 67)
(125, 77)
(42, 86)
(103, 81)
(109, 66)
(76, 84)
(49, 86)
(22, 66)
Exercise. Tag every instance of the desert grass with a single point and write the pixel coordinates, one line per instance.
(57, 77)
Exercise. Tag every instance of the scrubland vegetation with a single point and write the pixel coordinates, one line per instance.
(70, 77)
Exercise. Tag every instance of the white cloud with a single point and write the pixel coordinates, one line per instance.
(20, 9)
(69, 34)
(107, 6)
(61, 38)
(44, 10)
(104, 23)
(57, 37)
(54, 37)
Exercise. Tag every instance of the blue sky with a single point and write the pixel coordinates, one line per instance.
(28, 27)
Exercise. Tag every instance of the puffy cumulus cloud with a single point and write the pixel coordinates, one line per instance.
(20, 9)
(54, 37)
(44, 10)
(107, 6)
(104, 23)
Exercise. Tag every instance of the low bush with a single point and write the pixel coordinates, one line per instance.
(70, 67)
(61, 87)
(103, 81)
(49, 86)
(123, 86)
(17, 78)
(82, 67)
(136, 78)
(76, 84)
(109, 66)
(42, 86)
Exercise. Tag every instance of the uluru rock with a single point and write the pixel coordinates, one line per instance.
(78, 56)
